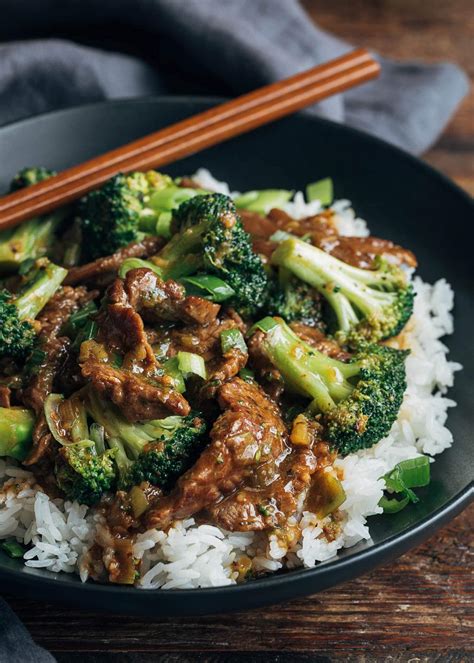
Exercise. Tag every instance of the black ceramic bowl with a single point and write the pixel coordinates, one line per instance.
(402, 199)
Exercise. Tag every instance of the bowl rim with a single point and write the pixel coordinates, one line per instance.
(370, 555)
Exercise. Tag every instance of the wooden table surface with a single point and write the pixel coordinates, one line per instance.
(420, 608)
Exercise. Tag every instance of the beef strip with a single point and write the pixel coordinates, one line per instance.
(138, 398)
(318, 340)
(322, 229)
(107, 267)
(248, 439)
(250, 509)
(138, 388)
(205, 339)
(55, 350)
(158, 300)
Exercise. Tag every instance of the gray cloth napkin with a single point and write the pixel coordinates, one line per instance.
(216, 46)
(225, 47)
(16, 645)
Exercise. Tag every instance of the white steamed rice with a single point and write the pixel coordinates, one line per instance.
(58, 533)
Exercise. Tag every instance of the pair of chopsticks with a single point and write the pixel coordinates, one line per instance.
(193, 134)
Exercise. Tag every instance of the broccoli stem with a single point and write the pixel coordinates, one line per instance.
(341, 284)
(39, 291)
(178, 257)
(16, 429)
(305, 370)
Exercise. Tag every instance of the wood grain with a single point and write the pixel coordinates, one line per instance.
(418, 609)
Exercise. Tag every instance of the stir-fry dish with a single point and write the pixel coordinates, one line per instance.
(199, 387)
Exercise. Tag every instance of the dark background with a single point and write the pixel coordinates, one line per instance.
(419, 608)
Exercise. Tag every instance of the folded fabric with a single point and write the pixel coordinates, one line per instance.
(222, 47)
(16, 645)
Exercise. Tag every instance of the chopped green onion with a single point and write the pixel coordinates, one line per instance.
(190, 363)
(321, 190)
(265, 325)
(13, 548)
(408, 474)
(136, 263)
(208, 287)
(171, 197)
(163, 225)
(78, 318)
(263, 201)
(232, 338)
(246, 374)
(281, 236)
(171, 369)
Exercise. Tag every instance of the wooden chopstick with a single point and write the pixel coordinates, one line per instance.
(192, 134)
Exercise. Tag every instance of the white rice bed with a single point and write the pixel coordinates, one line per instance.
(58, 533)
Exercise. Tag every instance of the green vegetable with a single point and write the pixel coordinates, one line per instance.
(119, 213)
(82, 473)
(137, 263)
(208, 287)
(232, 338)
(293, 300)
(408, 474)
(357, 401)
(158, 451)
(32, 239)
(321, 190)
(368, 304)
(246, 374)
(16, 430)
(17, 335)
(190, 363)
(13, 548)
(263, 201)
(211, 240)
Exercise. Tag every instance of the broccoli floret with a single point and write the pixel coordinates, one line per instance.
(158, 451)
(357, 401)
(293, 300)
(82, 473)
(29, 176)
(118, 212)
(34, 238)
(17, 334)
(210, 239)
(16, 429)
(367, 304)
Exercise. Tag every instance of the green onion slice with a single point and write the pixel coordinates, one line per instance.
(263, 201)
(321, 190)
(208, 287)
(232, 338)
(190, 363)
(136, 263)
(13, 548)
(246, 374)
(408, 474)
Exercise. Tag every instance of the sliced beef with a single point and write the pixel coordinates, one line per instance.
(205, 339)
(322, 229)
(139, 398)
(159, 301)
(250, 509)
(56, 350)
(105, 268)
(248, 439)
(318, 340)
